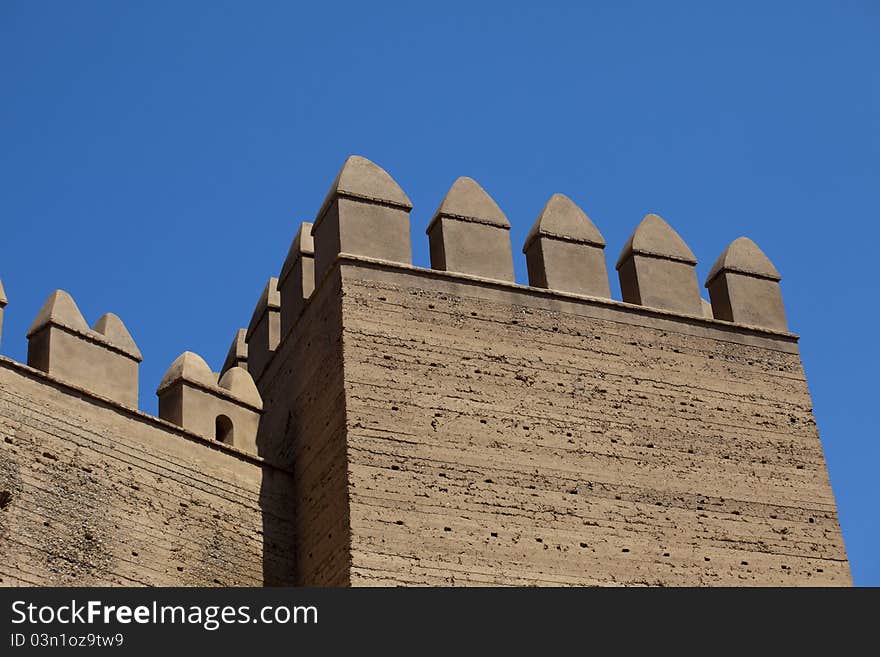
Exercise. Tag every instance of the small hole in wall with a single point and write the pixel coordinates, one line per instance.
(180, 569)
(395, 467)
(625, 550)
(447, 529)
(494, 534)
(224, 431)
(431, 306)
(583, 545)
(382, 299)
(398, 522)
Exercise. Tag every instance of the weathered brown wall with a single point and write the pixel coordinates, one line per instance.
(93, 494)
(303, 427)
(498, 435)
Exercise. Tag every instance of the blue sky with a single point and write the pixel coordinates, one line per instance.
(156, 158)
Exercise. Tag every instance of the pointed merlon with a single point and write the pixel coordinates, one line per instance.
(365, 213)
(237, 355)
(745, 257)
(103, 360)
(297, 279)
(240, 384)
(361, 179)
(112, 328)
(264, 330)
(303, 245)
(654, 237)
(189, 366)
(61, 310)
(467, 201)
(744, 287)
(3, 302)
(658, 270)
(469, 234)
(191, 397)
(562, 219)
(269, 301)
(565, 252)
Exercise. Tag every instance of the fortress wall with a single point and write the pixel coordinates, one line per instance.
(96, 494)
(379, 423)
(504, 435)
(303, 428)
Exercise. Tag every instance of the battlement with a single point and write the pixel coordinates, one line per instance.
(104, 358)
(448, 424)
(366, 214)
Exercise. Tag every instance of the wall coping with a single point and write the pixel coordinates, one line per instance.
(575, 303)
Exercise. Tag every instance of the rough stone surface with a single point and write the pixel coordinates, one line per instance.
(492, 442)
(303, 428)
(91, 495)
(407, 426)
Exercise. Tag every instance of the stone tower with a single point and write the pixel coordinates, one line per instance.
(384, 424)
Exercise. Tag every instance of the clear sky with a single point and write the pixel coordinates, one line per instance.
(156, 158)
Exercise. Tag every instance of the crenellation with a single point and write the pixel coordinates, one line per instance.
(264, 329)
(379, 423)
(227, 410)
(104, 359)
(469, 234)
(237, 356)
(364, 213)
(297, 279)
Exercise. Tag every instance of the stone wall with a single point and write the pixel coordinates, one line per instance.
(94, 494)
(499, 435)
(382, 424)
